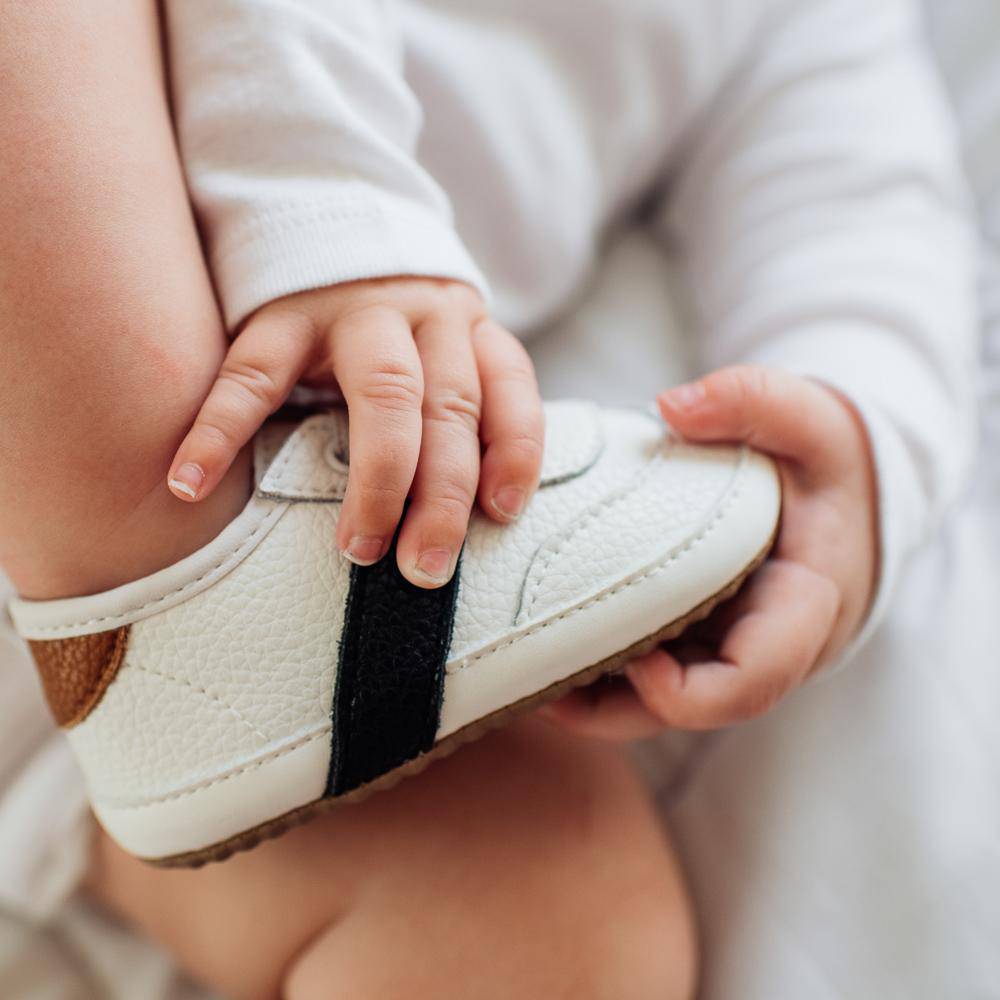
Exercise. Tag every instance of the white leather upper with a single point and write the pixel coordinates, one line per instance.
(230, 670)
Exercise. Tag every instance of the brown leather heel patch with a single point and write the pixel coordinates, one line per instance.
(76, 672)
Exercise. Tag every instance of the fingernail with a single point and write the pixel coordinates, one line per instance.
(364, 550)
(685, 397)
(509, 502)
(434, 565)
(187, 481)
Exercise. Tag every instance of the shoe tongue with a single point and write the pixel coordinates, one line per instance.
(267, 444)
(574, 440)
(307, 460)
(302, 460)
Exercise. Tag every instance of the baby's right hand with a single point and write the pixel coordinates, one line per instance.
(429, 380)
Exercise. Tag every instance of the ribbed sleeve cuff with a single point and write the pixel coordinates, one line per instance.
(291, 248)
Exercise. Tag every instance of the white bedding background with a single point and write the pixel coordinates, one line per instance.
(846, 846)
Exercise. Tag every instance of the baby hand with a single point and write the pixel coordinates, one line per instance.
(802, 606)
(430, 382)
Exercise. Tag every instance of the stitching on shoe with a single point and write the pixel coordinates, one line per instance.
(200, 690)
(233, 554)
(527, 601)
(653, 570)
(124, 804)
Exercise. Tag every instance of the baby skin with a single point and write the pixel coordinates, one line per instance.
(528, 865)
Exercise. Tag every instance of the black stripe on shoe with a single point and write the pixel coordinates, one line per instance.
(390, 677)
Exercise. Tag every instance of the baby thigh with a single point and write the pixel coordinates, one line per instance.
(529, 864)
(110, 337)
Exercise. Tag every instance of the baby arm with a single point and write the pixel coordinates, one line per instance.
(335, 258)
(824, 233)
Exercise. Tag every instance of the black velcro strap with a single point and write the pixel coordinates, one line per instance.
(390, 679)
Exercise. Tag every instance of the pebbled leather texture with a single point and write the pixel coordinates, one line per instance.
(228, 681)
(237, 672)
(646, 491)
(666, 495)
(76, 672)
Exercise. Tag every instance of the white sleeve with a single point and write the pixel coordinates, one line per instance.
(297, 132)
(823, 225)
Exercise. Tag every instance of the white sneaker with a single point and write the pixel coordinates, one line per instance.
(235, 693)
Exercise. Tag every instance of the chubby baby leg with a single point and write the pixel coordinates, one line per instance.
(109, 332)
(529, 864)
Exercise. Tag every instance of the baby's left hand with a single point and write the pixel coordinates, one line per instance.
(807, 601)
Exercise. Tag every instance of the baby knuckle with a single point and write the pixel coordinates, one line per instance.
(366, 308)
(520, 370)
(742, 384)
(218, 434)
(392, 387)
(253, 384)
(457, 483)
(450, 503)
(456, 405)
(527, 427)
(518, 378)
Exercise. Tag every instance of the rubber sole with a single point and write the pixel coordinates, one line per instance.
(281, 824)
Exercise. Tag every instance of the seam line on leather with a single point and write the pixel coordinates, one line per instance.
(212, 782)
(231, 555)
(527, 601)
(673, 557)
(214, 698)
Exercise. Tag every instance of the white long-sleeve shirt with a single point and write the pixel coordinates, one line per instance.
(798, 152)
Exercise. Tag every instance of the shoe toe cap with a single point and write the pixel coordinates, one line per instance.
(653, 498)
